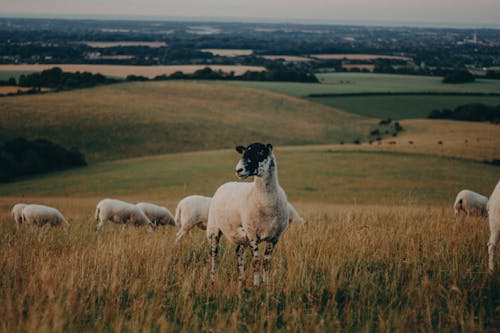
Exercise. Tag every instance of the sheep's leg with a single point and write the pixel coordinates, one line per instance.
(494, 238)
(267, 259)
(214, 249)
(100, 225)
(185, 228)
(240, 256)
(151, 226)
(179, 235)
(255, 262)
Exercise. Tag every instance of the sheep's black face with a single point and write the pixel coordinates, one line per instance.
(256, 160)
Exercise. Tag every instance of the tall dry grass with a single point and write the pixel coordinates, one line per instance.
(350, 268)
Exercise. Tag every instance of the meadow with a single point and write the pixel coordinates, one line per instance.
(357, 83)
(379, 251)
(146, 118)
(401, 106)
(412, 100)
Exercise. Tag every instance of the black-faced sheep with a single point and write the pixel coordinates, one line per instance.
(249, 213)
(192, 211)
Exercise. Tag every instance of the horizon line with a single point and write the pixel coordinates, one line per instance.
(261, 20)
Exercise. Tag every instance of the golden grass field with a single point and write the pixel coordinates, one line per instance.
(357, 56)
(379, 252)
(229, 52)
(286, 58)
(125, 70)
(124, 43)
(140, 119)
(467, 140)
(4, 90)
(350, 268)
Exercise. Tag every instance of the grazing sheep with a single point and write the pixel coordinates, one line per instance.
(190, 212)
(40, 215)
(249, 213)
(193, 211)
(17, 213)
(157, 214)
(120, 212)
(471, 203)
(494, 219)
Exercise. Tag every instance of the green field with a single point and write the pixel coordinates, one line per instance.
(401, 106)
(384, 106)
(355, 83)
(5, 75)
(309, 175)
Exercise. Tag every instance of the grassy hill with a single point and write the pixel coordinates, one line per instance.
(455, 139)
(140, 119)
(309, 174)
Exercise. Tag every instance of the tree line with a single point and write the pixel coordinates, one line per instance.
(21, 157)
(272, 73)
(469, 112)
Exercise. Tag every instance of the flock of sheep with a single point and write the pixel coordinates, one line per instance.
(246, 213)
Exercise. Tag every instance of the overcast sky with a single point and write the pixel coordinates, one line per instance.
(432, 11)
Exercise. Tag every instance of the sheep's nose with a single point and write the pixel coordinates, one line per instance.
(238, 171)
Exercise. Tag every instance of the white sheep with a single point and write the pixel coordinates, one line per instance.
(159, 215)
(190, 212)
(249, 213)
(494, 220)
(119, 211)
(17, 213)
(40, 215)
(471, 203)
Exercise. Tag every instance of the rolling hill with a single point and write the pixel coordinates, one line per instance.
(140, 119)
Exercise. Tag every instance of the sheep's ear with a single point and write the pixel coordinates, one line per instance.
(269, 147)
(240, 149)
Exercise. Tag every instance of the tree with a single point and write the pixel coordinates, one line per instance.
(458, 76)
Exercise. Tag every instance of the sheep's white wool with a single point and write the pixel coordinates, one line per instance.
(471, 203)
(17, 213)
(120, 212)
(250, 213)
(159, 215)
(494, 221)
(40, 215)
(190, 212)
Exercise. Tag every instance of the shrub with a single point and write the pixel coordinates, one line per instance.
(458, 76)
